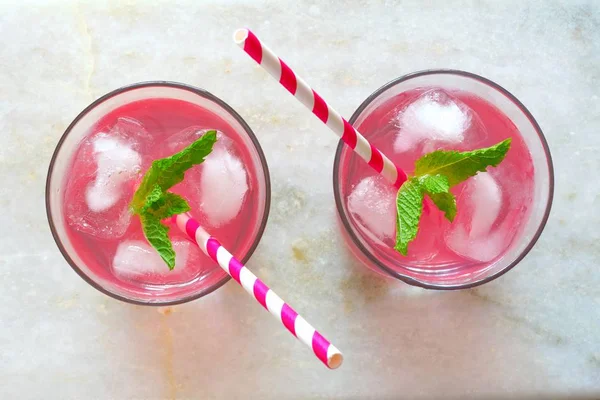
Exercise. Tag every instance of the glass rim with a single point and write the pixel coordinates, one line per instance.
(202, 93)
(406, 278)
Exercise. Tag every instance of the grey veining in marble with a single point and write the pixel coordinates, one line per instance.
(534, 331)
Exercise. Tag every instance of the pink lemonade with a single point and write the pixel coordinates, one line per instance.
(492, 206)
(106, 169)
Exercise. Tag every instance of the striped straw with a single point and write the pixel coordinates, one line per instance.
(307, 96)
(325, 351)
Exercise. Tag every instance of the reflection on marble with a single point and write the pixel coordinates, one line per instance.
(535, 331)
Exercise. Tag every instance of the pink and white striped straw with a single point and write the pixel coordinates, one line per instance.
(307, 96)
(323, 349)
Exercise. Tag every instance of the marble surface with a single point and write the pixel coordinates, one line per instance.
(534, 332)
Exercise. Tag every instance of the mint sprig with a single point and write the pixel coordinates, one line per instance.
(435, 174)
(151, 201)
(167, 172)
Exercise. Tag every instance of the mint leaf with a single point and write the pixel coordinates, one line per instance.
(409, 203)
(437, 188)
(153, 203)
(434, 183)
(459, 166)
(435, 174)
(169, 204)
(167, 172)
(153, 196)
(165, 205)
(446, 202)
(156, 233)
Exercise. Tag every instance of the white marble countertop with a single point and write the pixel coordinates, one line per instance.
(533, 332)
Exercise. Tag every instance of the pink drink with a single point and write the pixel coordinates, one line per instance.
(493, 207)
(227, 194)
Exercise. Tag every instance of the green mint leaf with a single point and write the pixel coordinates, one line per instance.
(459, 166)
(166, 205)
(156, 233)
(446, 202)
(153, 196)
(167, 172)
(437, 188)
(434, 183)
(153, 203)
(409, 203)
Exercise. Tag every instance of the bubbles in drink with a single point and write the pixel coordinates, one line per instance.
(223, 186)
(476, 232)
(136, 260)
(437, 119)
(373, 204)
(103, 180)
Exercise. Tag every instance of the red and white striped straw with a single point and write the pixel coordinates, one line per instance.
(323, 349)
(307, 96)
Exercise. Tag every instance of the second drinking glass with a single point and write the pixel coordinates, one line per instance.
(98, 163)
(501, 212)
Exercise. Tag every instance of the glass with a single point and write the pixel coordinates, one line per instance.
(82, 126)
(459, 276)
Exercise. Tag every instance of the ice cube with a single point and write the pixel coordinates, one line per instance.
(117, 164)
(482, 248)
(473, 233)
(132, 131)
(223, 186)
(435, 117)
(109, 224)
(137, 260)
(372, 202)
(485, 199)
(104, 175)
